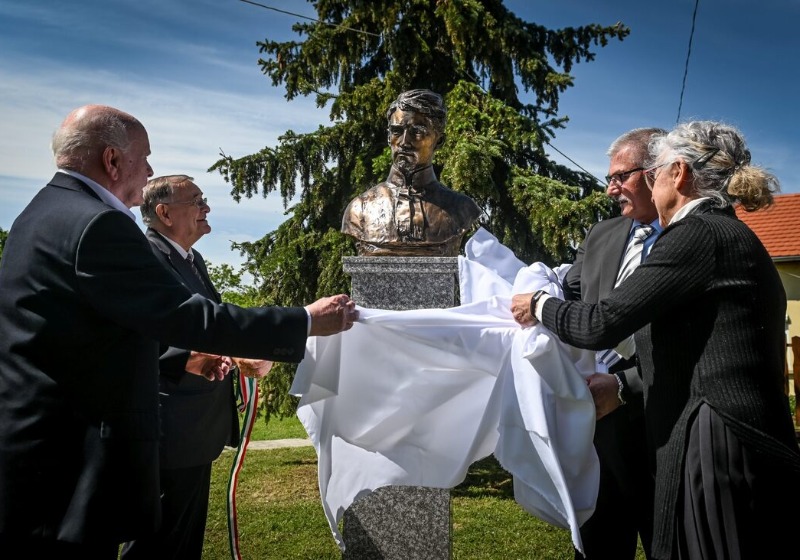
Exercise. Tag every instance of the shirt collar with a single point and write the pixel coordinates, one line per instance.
(687, 209)
(181, 251)
(654, 224)
(104, 194)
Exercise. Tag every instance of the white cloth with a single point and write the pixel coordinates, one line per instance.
(415, 397)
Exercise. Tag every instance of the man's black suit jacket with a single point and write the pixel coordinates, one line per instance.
(593, 275)
(83, 304)
(198, 417)
(594, 272)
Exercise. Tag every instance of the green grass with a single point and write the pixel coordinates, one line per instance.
(277, 428)
(280, 514)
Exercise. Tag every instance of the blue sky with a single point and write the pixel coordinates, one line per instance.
(188, 70)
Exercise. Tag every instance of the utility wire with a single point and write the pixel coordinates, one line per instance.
(688, 54)
(575, 163)
(309, 18)
(464, 73)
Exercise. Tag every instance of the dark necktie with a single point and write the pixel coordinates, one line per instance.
(190, 261)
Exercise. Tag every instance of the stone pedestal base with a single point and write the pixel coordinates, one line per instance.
(401, 522)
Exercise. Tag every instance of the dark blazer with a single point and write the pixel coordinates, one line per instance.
(711, 309)
(593, 275)
(624, 506)
(198, 417)
(83, 302)
(594, 272)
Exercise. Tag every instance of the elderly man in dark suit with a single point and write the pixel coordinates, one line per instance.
(83, 306)
(198, 416)
(624, 508)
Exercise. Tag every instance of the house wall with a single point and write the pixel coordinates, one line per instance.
(790, 276)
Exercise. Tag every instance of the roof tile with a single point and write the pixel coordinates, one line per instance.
(778, 227)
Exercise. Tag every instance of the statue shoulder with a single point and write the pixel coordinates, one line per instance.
(361, 210)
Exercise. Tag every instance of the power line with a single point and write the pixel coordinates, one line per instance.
(309, 18)
(688, 54)
(472, 78)
(575, 163)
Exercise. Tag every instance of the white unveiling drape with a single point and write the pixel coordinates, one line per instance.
(415, 397)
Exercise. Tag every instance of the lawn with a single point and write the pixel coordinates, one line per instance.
(280, 514)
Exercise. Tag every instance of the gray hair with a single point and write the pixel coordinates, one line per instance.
(87, 132)
(423, 101)
(158, 191)
(638, 140)
(720, 164)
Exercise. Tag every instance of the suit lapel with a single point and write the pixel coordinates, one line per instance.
(200, 264)
(182, 268)
(614, 249)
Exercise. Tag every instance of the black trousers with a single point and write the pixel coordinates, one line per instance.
(13, 547)
(184, 508)
(624, 510)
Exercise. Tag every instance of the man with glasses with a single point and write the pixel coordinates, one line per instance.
(411, 213)
(625, 499)
(198, 416)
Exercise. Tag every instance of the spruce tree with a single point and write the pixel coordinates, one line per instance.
(355, 61)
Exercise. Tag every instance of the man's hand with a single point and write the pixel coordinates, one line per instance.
(604, 388)
(253, 368)
(331, 315)
(210, 366)
(521, 310)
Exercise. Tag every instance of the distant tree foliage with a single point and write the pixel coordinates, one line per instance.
(3, 237)
(480, 57)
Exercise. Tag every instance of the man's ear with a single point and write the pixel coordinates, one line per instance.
(111, 158)
(440, 141)
(162, 211)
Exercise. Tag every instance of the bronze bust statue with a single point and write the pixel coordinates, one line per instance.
(411, 213)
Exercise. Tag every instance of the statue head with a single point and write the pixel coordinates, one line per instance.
(411, 213)
(416, 122)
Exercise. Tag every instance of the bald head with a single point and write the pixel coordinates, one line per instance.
(107, 145)
(80, 140)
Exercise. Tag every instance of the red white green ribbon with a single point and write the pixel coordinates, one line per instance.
(248, 404)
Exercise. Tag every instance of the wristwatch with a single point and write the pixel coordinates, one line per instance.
(537, 295)
(620, 387)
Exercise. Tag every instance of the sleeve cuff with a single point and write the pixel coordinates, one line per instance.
(539, 305)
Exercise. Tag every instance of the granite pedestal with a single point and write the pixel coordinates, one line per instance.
(401, 522)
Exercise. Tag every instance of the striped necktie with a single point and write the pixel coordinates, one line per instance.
(190, 261)
(634, 252)
(634, 255)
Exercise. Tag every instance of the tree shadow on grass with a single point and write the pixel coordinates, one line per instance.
(486, 478)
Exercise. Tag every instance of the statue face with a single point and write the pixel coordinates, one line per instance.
(412, 139)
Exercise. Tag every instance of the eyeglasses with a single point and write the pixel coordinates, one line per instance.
(650, 174)
(417, 132)
(622, 176)
(199, 202)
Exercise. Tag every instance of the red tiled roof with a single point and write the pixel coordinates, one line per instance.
(778, 227)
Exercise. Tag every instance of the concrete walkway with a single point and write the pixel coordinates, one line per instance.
(278, 443)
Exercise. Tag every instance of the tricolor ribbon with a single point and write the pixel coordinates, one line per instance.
(248, 404)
